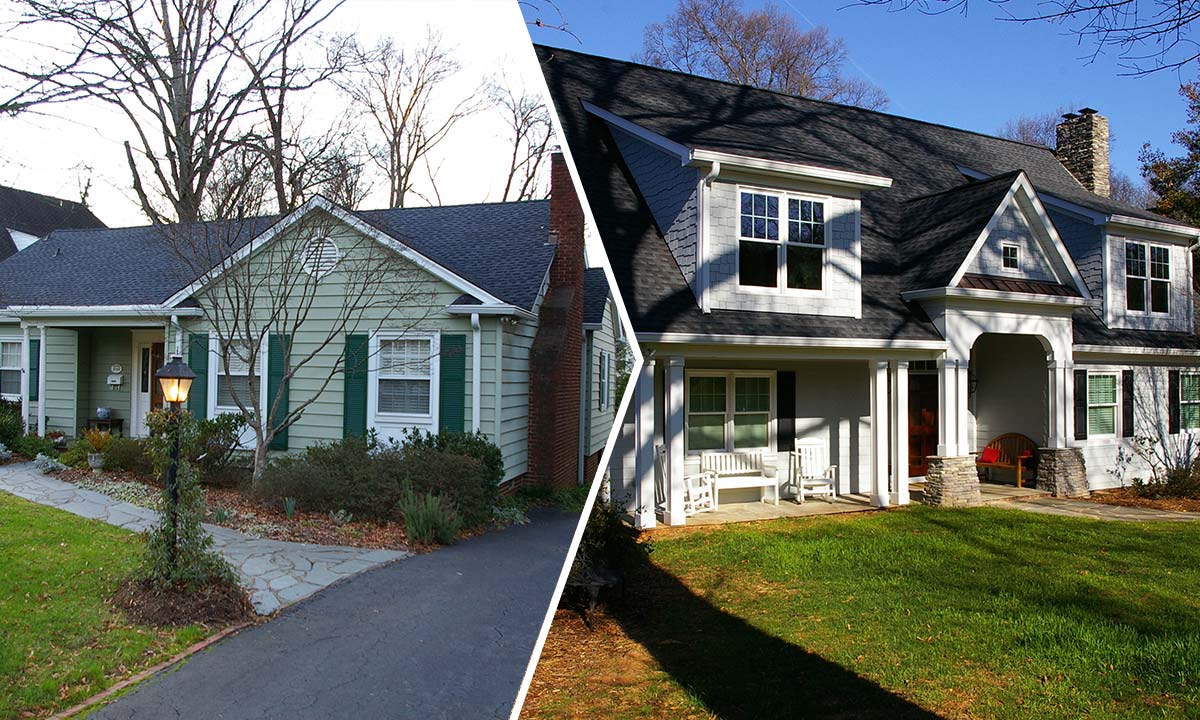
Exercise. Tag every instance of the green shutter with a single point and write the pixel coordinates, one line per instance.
(354, 389)
(198, 360)
(452, 384)
(278, 347)
(35, 368)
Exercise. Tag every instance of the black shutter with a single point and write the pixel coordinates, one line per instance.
(1081, 428)
(278, 350)
(198, 361)
(354, 389)
(1173, 399)
(785, 409)
(1126, 403)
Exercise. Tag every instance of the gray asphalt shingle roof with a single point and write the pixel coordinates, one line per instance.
(501, 247)
(595, 295)
(38, 215)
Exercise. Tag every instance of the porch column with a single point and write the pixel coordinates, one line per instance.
(25, 378)
(1058, 403)
(879, 433)
(674, 442)
(947, 407)
(899, 432)
(41, 420)
(643, 398)
(962, 409)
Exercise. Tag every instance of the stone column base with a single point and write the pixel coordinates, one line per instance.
(1061, 471)
(952, 482)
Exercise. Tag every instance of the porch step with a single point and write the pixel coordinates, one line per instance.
(994, 493)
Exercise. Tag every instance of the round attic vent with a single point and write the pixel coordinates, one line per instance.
(319, 256)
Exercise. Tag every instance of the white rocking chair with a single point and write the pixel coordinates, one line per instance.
(698, 492)
(811, 472)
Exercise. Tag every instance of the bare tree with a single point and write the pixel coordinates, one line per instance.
(764, 48)
(531, 135)
(1148, 35)
(400, 91)
(189, 76)
(292, 300)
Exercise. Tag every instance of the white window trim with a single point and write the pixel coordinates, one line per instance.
(1004, 246)
(604, 377)
(1148, 278)
(20, 367)
(730, 404)
(1116, 404)
(374, 416)
(781, 287)
(216, 368)
(1182, 402)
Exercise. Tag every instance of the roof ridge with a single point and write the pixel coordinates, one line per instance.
(55, 198)
(790, 96)
(974, 184)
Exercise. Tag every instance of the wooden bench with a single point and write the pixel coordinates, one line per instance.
(1009, 452)
(740, 469)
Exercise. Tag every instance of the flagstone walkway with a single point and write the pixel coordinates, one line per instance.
(275, 572)
(1099, 511)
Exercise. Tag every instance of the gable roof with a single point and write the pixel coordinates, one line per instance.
(500, 247)
(38, 215)
(595, 296)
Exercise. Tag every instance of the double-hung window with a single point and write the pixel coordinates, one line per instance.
(782, 241)
(728, 411)
(604, 373)
(237, 383)
(1147, 278)
(404, 383)
(10, 368)
(1010, 257)
(1102, 404)
(1189, 401)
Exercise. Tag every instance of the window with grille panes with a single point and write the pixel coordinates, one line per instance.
(10, 368)
(728, 411)
(405, 378)
(1189, 401)
(782, 241)
(1102, 404)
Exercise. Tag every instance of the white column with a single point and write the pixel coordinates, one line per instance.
(965, 444)
(25, 377)
(644, 517)
(674, 441)
(41, 418)
(879, 433)
(900, 432)
(947, 407)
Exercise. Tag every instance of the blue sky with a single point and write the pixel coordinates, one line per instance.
(972, 71)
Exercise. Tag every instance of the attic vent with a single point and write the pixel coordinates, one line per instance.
(319, 256)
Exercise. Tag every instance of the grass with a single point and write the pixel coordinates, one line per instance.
(981, 613)
(60, 642)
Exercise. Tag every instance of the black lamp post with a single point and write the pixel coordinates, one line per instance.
(176, 379)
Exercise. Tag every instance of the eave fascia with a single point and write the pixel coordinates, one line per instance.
(791, 341)
(992, 296)
(1100, 351)
(1117, 222)
(164, 311)
(490, 310)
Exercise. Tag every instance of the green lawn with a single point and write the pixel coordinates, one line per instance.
(59, 641)
(990, 613)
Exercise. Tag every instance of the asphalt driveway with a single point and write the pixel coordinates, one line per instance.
(442, 635)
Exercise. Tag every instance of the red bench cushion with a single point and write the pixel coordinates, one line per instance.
(989, 455)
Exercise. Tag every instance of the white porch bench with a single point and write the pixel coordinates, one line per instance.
(737, 470)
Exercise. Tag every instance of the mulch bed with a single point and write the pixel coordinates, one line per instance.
(214, 604)
(1128, 497)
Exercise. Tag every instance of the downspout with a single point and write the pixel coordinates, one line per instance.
(702, 236)
(476, 371)
(178, 335)
(585, 381)
(499, 389)
(25, 378)
(41, 423)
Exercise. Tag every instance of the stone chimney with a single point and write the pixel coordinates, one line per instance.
(555, 364)
(1082, 148)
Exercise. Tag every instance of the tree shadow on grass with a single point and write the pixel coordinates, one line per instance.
(737, 670)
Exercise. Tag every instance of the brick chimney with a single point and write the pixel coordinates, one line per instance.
(1082, 148)
(556, 360)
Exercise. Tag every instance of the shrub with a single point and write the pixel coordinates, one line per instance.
(76, 454)
(609, 542)
(476, 445)
(458, 479)
(216, 443)
(428, 518)
(1177, 483)
(328, 477)
(46, 464)
(12, 426)
(5, 453)
(98, 439)
(32, 445)
(128, 455)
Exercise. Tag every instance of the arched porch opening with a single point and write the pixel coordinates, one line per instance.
(1008, 392)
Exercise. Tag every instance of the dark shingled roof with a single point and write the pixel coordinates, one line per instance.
(38, 215)
(595, 295)
(906, 239)
(501, 247)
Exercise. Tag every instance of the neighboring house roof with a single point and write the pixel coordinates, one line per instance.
(38, 215)
(914, 233)
(500, 247)
(595, 296)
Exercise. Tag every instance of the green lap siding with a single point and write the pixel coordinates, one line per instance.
(99, 350)
(62, 381)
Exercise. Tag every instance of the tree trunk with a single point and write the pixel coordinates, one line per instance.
(260, 461)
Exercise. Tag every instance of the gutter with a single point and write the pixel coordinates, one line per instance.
(20, 311)
(490, 310)
(790, 341)
(993, 295)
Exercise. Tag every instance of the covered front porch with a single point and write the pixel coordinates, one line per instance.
(86, 369)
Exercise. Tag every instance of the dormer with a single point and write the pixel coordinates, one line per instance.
(1147, 276)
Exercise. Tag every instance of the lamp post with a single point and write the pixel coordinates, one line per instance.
(176, 379)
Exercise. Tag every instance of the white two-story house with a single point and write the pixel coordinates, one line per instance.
(897, 292)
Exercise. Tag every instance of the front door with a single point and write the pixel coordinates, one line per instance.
(922, 421)
(150, 357)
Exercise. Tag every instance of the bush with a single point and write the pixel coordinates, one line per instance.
(46, 464)
(458, 479)
(12, 426)
(216, 443)
(328, 477)
(609, 542)
(76, 454)
(1179, 483)
(476, 445)
(32, 445)
(428, 518)
(128, 455)
(100, 440)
